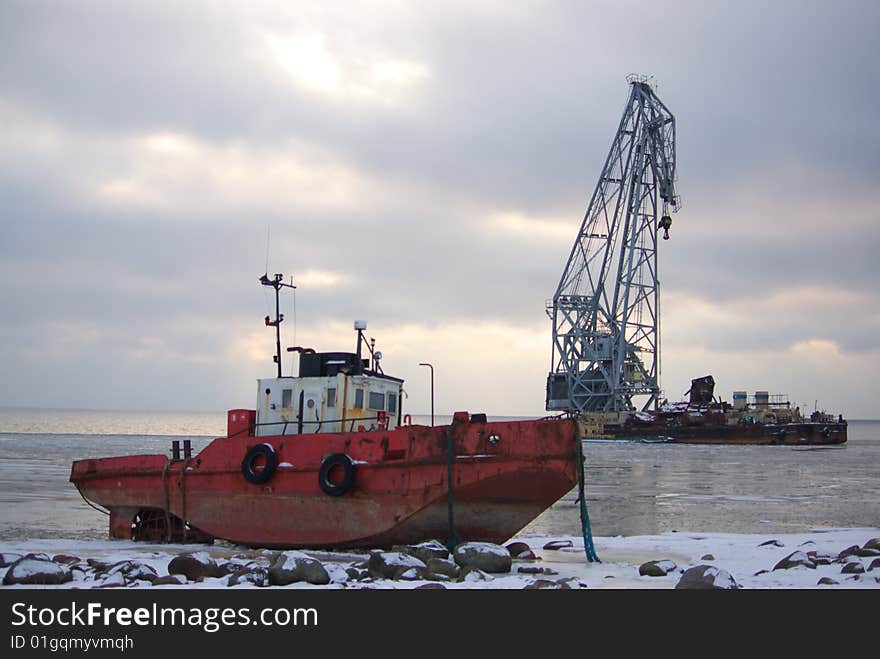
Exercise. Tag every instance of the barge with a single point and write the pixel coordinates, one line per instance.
(703, 419)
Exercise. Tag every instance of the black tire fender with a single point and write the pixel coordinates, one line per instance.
(329, 463)
(248, 464)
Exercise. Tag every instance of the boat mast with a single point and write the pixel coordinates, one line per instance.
(277, 284)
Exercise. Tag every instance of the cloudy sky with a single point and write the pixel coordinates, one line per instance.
(424, 166)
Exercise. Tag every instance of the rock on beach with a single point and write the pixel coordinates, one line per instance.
(194, 566)
(424, 550)
(853, 567)
(656, 568)
(388, 564)
(517, 548)
(795, 559)
(706, 577)
(292, 566)
(483, 556)
(558, 544)
(36, 571)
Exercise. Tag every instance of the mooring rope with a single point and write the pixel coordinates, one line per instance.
(100, 510)
(586, 530)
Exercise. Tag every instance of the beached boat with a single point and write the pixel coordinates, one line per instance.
(329, 459)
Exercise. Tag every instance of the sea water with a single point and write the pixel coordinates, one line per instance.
(632, 488)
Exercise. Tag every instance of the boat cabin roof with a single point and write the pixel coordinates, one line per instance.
(323, 364)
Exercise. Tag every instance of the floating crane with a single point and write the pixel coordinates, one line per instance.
(605, 312)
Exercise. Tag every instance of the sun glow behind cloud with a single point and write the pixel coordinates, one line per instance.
(520, 226)
(321, 278)
(181, 173)
(360, 75)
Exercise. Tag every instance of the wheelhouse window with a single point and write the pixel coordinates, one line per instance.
(286, 397)
(358, 397)
(331, 397)
(377, 400)
(392, 402)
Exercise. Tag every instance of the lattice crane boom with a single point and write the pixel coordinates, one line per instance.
(605, 311)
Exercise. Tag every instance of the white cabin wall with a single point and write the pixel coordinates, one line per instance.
(271, 408)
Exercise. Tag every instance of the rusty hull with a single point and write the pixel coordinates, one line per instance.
(504, 475)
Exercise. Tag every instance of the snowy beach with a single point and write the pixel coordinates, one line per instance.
(822, 558)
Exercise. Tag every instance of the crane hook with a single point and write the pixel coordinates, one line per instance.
(665, 223)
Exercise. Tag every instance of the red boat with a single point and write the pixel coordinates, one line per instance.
(329, 460)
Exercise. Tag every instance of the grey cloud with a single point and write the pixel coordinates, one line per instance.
(516, 114)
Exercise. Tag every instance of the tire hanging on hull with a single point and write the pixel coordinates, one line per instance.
(331, 462)
(251, 459)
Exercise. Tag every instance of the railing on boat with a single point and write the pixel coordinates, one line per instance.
(381, 423)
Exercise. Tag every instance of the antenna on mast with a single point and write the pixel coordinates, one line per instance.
(276, 283)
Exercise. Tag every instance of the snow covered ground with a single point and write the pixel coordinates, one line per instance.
(749, 559)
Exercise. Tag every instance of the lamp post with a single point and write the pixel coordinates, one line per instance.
(432, 389)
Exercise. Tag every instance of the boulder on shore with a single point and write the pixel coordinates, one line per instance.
(484, 556)
(547, 584)
(474, 575)
(194, 566)
(292, 566)
(517, 548)
(849, 551)
(558, 544)
(656, 568)
(820, 557)
(130, 571)
(443, 567)
(706, 577)
(424, 550)
(34, 571)
(795, 559)
(853, 567)
(535, 569)
(388, 564)
(257, 576)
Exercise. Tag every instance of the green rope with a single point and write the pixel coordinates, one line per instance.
(589, 548)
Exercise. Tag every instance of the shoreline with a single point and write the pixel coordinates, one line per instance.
(748, 559)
